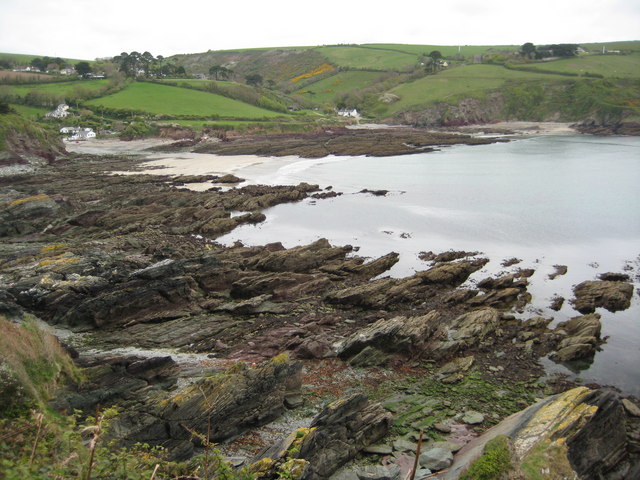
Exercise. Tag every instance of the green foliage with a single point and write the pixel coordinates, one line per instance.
(5, 108)
(254, 79)
(83, 68)
(494, 462)
(33, 364)
(523, 101)
(41, 446)
(138, 129)
(264, 102)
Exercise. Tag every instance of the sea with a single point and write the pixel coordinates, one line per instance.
(569, 200)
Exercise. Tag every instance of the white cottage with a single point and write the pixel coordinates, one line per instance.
(61, 112)
(349, 113)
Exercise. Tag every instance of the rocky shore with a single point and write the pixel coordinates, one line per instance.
(369, 367)
(336, 141)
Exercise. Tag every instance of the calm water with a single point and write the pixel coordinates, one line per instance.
(570, 200)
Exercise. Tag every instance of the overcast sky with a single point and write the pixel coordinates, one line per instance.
(86, 29)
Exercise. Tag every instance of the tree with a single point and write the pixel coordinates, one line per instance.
(39, 63)
(218, 72)
(254, 79)
(435, 55)
(83, 68)
(528, 50)
(146, 62)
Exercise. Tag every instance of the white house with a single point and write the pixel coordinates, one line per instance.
(69, 129)
(349, 113)
(61, 112)
(78, 133)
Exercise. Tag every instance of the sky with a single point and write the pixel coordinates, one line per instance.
(84, 29)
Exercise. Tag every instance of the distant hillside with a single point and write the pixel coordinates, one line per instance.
(305, 87)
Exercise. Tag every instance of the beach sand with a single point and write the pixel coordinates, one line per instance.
(525, 128)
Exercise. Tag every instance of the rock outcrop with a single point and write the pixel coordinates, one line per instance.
(612, 295)
(433, 335)
(581, 433)
(581, 338)
(335, 436)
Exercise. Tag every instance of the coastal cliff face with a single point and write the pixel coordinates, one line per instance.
(195, 342)
(588, 105)
(25, 145)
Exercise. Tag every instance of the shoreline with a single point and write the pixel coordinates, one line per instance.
(222, 160)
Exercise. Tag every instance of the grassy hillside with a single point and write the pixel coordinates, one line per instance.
(61, 89)
(369, 58)
(167, 100)
(380, 80)
(279, 65)
(21, 59)
(451, 84)
(465, 51)
(325, 90)
(31, 113)
(606, 65)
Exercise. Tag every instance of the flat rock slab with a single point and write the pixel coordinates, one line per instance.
(473, 418)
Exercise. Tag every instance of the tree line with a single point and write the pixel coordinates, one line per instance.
(530, 51)
(136, 64)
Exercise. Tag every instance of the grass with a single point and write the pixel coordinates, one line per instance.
(324, 90)
(26, 59)
(361, 57)
(167, 100)
(606, 65)
(494, 463)
(59, 88)
(33, 363)
(448, 85)
(446, 50)
(31, 113)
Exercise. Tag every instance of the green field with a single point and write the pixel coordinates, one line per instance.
(59, 88)
(26, 59)
(471, 80)
(622, 66)
(326, 89)
(360, 57)
(167, 100)
(633, 46)
(446, 50)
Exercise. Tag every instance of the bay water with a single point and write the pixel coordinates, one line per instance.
(549, 200)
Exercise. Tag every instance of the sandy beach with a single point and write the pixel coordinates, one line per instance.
(524, 128)
(181, 163)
